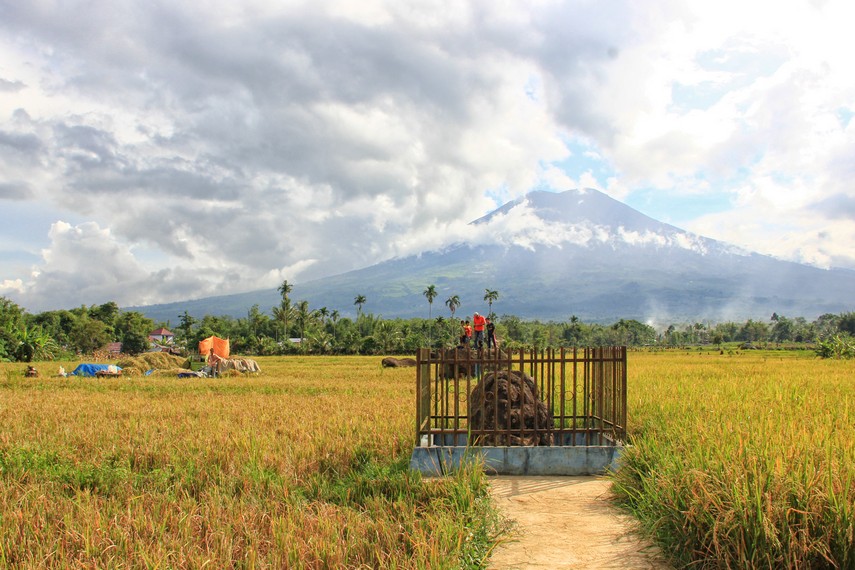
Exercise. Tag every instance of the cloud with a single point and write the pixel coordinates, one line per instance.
(86, 264)
(15, 190)
(10, 86)
(245, 141)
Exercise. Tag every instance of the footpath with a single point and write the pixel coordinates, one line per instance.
(567, 523)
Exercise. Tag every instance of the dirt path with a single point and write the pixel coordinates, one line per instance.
(567, 522)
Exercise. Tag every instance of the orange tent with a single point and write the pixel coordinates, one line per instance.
(220, 346)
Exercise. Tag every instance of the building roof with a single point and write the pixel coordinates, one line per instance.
(160, 332)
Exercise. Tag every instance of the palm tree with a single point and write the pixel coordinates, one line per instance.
(453, 303)
(431, 294)
(284, 310)
(490, 295)
(285, 289)
(303, 315)
(334, 318)
(281, 314)
(359, 300)
(323, 313)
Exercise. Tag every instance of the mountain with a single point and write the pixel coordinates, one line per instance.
(579, 252)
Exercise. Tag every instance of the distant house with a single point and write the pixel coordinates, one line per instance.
(113, 348)
(161, 336)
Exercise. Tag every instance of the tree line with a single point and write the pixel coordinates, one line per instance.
(295, 327)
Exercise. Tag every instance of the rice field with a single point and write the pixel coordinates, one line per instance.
(743, 461)
(738, 460)
(302, 466)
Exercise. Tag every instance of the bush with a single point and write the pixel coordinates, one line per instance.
(838, 346)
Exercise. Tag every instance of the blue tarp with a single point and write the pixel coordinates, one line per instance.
(92, 369)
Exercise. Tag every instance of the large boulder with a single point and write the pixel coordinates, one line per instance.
(508, 400)
(391, 362)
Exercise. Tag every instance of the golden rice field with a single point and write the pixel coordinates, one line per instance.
(302, 466)
(738, 460)
(743, 461)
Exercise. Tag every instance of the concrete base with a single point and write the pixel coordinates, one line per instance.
(569, 460)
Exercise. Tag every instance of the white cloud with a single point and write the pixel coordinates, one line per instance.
(247, 143)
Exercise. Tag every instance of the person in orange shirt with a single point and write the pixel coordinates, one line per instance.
(479, 322)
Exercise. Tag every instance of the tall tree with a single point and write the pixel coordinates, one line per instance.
(334, 318)
(186, 324)
(453, 303)
(88, 335)
(430, 293)
(359, 300)
(285, 289)
(490, 295)
(323, 313)
(132, 329)
(281, 315)
(303, 314)
(283, 312)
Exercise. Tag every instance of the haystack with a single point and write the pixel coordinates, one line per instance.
(508, 400)
(139, 365)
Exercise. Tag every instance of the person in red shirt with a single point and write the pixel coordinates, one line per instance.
(478, 323)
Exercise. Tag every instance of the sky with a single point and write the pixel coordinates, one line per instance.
(161, 151)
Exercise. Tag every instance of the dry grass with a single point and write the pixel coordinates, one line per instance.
(304, 465)
(139, 365)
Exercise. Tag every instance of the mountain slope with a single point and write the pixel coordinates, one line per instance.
(579, 253)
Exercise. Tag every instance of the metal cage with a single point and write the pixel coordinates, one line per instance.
(583, 391)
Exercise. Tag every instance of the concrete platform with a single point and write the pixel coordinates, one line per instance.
(564, 460)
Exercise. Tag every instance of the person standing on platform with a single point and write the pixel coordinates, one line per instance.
(478, 323)
(491, 334)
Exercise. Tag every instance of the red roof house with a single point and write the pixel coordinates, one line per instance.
(161, 336)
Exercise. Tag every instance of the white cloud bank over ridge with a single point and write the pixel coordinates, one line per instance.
(179, 152)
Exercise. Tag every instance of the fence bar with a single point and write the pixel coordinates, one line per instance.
(583, 390)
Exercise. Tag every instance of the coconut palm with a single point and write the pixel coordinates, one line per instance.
(431, 294)
(453, 303)
(323, 313)
(284, 310)
(359, 300)
(303, 314)
(334, 318)
(285, 289)
(490, 295)
(281, 314)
